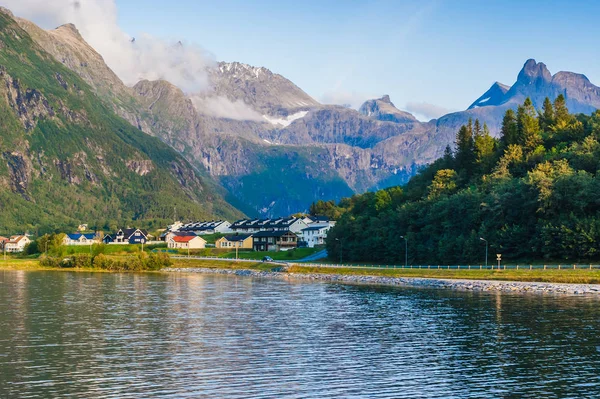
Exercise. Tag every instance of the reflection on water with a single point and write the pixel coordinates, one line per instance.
(98, 335)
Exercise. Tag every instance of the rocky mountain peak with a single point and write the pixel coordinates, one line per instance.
(384, 110)
(494, 96)
(533, 71)
(71, 29)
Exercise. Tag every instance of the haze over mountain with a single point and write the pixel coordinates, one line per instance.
(276, 149)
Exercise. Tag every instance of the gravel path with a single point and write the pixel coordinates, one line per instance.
(463, 285)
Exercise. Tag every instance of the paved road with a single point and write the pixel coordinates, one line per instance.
(316, 256)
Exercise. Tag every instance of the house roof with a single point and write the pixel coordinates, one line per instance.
(2, 239)
(186, 238)
(77, 236)
(272, 233)
(315, 228)
(129, 232)
(15, 239)
(237, 238)
(185, 233)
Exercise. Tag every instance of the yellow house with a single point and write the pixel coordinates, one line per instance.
(239, 241)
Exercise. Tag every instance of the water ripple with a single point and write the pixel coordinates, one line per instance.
(89, 335)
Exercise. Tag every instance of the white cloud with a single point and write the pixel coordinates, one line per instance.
(147, 57)
(222, 107)
(426, 111)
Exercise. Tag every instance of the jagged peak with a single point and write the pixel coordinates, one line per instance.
(240, 67)
(386, 99)
(533, 70)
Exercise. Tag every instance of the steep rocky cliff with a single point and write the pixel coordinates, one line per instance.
(66, 158)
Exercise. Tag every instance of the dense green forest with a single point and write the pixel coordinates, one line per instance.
(533, 194)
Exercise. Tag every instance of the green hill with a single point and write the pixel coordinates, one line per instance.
(66, 158)
(533, 195)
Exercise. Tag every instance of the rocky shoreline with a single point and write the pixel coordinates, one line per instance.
(461, 285)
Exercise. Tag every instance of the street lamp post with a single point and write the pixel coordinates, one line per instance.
(486, 250)
(405, 251)
(341, 248)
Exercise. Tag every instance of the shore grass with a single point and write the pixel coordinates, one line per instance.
(546, 276)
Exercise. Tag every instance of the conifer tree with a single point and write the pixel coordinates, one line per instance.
(547, 115)
(509, 129)
(561, 112)
(484, 146)
(465, 148)
(528, 127)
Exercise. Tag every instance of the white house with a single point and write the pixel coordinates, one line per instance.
(16, 244)
(81, 239)
(315, 235)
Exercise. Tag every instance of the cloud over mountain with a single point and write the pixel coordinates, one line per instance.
(132, 59)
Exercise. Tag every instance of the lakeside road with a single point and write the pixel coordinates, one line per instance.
(571, 282)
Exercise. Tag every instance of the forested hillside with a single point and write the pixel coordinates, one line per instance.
(66, 158)
(533, 194)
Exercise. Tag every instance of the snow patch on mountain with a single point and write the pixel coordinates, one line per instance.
(285, 122)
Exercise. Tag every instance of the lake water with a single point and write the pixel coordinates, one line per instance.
(100, 335)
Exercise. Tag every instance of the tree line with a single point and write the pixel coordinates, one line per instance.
(533, 194)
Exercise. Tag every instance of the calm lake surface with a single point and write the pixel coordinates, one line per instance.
(100, 335)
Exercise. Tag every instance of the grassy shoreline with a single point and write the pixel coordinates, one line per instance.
(546, 276)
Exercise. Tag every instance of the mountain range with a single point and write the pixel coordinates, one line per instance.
(265, 146)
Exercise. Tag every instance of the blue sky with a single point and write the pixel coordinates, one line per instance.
(439, 52)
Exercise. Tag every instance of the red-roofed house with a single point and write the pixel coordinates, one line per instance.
(187, 242)
(16, 244)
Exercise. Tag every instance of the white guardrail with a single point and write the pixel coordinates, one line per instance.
(431, 267)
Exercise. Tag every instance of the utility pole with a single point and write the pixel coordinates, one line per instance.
(486, 250)
(236, 250)
(405, 251)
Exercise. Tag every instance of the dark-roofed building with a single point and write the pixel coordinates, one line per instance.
(250, 226)
(127, 236)
(274, 240)
(201, 228)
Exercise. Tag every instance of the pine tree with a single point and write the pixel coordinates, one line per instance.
(509, 129)
(561, 112)
(546, 118)
(465, 148)
(477, 129)
(484, 147)
(528, 127)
